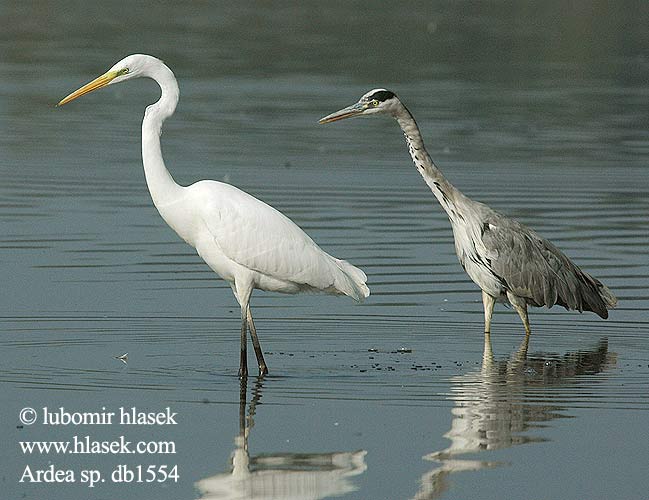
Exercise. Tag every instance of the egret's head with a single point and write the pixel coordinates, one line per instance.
(131, 66)
(373, 102)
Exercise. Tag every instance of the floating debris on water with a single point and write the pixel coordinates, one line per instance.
(123, 358)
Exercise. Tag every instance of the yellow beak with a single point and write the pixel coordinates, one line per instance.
(97, 83)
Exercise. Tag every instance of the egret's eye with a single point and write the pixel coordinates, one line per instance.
(375, 103)
(123, 71)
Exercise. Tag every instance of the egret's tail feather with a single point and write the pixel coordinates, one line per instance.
(352, 281)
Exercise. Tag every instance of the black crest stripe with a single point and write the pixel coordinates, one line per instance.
(381, 95)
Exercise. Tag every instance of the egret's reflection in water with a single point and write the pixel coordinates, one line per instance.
(497, 405)
(283, 476)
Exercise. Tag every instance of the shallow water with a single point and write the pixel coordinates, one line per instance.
(536, 111)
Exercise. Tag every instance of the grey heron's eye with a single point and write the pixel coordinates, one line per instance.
(375, 103)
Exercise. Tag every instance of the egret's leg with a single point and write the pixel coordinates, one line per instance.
(242, 290)
(243, 398)
(521, 308)
(263, 369)
(243, 360)
(488, 303)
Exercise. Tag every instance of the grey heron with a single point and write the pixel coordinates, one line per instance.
(507, 260)
(245, 241)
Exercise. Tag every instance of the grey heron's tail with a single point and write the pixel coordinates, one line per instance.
(610, 300)
(597, 298)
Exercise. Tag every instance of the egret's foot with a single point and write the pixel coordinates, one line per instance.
(263, 370)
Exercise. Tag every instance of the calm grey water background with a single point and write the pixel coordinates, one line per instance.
(538, 109)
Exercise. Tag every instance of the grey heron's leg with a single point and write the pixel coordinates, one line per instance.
(522, 312)
(518, 357)
(521, 308)
(487, 354)
(263, 369)
(488, 302)
(521, 353)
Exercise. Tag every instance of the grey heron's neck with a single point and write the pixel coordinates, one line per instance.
(161, 184)
(443, 190)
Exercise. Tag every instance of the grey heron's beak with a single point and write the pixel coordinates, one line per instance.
(348, 112)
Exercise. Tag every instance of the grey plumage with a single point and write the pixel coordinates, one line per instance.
(506, 259)
(533, 268)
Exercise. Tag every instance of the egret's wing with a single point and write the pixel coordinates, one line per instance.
(532, 267)
(257, 236)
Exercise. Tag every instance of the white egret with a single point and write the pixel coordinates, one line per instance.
(506, 259)
(245, 241)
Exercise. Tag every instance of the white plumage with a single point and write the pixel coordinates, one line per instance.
(244, 240)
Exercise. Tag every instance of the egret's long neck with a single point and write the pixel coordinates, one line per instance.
(161, 184)
(444, 191)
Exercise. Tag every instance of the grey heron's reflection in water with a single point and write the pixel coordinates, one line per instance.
(283, 476)
(496, 406)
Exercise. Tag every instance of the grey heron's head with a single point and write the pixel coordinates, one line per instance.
(373, 102)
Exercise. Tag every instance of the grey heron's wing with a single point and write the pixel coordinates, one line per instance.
(532, 267)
